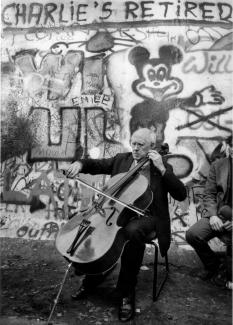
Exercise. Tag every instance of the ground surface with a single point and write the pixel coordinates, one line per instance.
(32, 270)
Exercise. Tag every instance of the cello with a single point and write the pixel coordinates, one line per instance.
(94, 239)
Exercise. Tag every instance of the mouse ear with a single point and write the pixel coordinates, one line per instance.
(138, 55)
(171, 54)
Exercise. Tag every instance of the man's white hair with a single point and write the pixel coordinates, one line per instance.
(147, 135)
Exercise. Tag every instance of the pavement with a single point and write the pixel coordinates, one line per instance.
(32, 271)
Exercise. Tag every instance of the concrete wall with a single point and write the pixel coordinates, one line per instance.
(79, 77)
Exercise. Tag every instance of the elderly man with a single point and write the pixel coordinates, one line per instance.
(217, 221)
(162, 181)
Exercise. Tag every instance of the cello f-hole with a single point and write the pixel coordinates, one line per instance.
(108, 223)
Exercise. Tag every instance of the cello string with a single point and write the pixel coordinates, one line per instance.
(129, 174)
(111, 191)
(135, 209)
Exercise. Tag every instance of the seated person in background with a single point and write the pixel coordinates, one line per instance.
(162, 181)
(218, 220)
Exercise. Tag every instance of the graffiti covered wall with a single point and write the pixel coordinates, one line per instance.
(79, 77)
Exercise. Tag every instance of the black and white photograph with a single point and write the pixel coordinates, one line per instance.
(116, 162)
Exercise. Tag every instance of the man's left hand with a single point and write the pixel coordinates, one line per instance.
(157, 160)
(228, 225)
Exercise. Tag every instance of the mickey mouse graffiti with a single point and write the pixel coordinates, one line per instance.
(159, 89)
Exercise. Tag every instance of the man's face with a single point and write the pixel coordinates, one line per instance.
(140, 146)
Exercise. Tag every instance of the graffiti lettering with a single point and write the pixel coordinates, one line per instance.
(21, 232)
(190, 10)
(57, 14)
(209, 62)
(104, 101)
(49, 229)
(69, 135)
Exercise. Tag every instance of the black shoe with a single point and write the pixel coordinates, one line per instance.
(220, 278)
(82, 293)
(206, 274)
(127, 308)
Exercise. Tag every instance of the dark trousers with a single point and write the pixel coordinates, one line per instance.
(198, 236)
(137, 231)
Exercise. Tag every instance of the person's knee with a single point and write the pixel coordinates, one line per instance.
(190, 236)
(135, 234)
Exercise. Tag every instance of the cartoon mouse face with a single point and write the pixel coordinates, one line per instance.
(155, 81)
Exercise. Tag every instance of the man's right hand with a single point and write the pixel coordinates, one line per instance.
(74, 169)
(228, 225)
(216, 223)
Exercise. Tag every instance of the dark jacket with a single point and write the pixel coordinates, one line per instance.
(160, 186)
(215, 192)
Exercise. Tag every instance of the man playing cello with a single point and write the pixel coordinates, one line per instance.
(161, 181)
